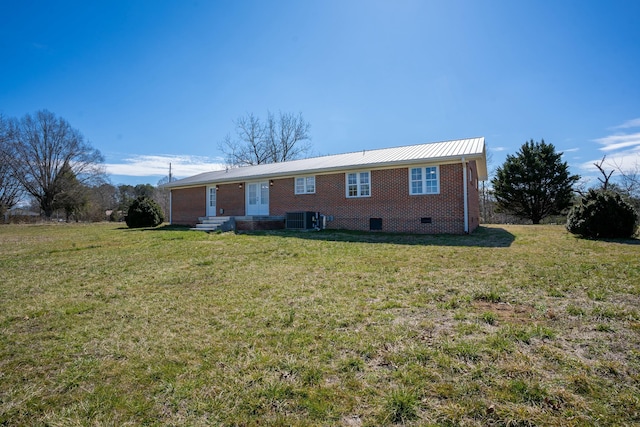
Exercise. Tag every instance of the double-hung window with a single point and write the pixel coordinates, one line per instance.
(424, 180)
(358, 184)
(305, 185)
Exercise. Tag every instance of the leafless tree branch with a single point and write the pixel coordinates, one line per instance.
(45, 148)
(278, 139)
(606, 176)
(11, 189)
(629, 178)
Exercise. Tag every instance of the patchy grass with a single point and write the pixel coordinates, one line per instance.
(512, 325)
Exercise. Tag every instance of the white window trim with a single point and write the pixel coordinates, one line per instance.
(424, 180)
(295, 184)
(358, 184)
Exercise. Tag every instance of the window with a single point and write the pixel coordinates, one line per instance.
(253, 195)
(306, 185)
(358, 184)
(424, 180)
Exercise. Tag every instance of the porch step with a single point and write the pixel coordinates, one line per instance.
(214, 223)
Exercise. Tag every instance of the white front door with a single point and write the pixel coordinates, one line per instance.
(211, 201)
(257, 198)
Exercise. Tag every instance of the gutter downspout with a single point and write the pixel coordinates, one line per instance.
(170, 207)
(465, 192)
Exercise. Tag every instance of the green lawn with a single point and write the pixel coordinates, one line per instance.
(512, 325)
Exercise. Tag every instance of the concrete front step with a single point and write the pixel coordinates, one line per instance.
(214, 223)
(249, 222)
(213, 219)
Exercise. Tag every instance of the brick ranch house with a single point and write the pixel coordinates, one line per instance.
(426, 188)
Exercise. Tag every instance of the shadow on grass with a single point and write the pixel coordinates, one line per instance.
(485, 237)
(620, 241)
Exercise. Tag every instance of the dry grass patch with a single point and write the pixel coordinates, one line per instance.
(512, 325)
(497, 312)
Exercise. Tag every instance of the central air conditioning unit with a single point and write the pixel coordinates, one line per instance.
(304, 221)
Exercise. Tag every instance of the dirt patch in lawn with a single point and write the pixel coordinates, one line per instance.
(505, 312)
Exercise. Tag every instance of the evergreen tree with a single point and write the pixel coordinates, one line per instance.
(70, 194)
(602, 213)
(534, 183)
(144, 212)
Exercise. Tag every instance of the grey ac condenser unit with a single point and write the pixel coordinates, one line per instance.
(304, 220)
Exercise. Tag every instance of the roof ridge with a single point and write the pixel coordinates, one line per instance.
(388, 148)
(380, 157)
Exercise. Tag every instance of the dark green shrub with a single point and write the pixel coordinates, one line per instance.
(144, 212)
(602, 214)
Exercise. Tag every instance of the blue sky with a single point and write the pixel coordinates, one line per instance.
(154, 82)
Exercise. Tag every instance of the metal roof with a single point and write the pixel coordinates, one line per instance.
(435, 152)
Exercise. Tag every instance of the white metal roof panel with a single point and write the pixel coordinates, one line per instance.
(446, 151)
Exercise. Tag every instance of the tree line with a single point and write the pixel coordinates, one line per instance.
(47, 163)
(44, 159)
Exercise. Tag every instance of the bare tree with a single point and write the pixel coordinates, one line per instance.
(11, 190)
(630, 178)
(287, 137)
(278, 139)
(605, 176)
(46, 148)
(630, 181)
(248, 148)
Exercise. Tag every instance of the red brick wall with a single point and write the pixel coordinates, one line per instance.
(230, 198)
(187, 205)
(389, 200)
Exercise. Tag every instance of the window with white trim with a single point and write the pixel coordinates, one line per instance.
(425, 180)
(305, 185)
(359, 184)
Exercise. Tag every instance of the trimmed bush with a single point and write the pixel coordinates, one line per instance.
(144, 212)
(602, 214)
